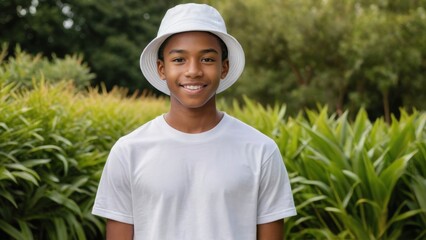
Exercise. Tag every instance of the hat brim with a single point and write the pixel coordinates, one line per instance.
(149, 57)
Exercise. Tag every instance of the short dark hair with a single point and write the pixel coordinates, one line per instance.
(160, 54)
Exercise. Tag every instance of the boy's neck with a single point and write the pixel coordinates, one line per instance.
(193, 120)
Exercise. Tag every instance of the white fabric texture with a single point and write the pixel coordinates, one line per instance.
(214, 185)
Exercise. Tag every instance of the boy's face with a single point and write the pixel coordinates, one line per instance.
(193, 68)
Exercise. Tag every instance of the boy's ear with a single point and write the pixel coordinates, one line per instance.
(225, 68)
(160, 69)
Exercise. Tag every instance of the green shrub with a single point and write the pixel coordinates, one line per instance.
(22, 68)
(53, 145)
(351, 180)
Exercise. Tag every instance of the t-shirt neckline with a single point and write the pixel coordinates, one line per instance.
(192, 136)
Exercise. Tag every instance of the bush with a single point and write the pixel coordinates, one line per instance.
(23, 68)
(351, 179)
(53, 145)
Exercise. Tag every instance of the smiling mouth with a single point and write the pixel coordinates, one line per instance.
(193, 87)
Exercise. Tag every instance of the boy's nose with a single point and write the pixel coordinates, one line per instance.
(194, 69)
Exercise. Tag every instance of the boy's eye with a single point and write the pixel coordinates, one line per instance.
(207, 60)
(178, 60)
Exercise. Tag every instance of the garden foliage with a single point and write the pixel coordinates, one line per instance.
(24, 67)
(351, 178)
(53, 143)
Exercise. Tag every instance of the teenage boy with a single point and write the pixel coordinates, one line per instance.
(194, 172)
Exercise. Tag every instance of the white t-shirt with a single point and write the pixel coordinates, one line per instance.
(213, 185)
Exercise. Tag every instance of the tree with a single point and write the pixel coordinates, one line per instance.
(346, 54)
(110, 34)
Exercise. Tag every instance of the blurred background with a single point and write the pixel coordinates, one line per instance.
(345, 54)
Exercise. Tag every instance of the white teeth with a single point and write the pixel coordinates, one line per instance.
(192, 87)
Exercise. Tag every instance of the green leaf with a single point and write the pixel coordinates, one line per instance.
(75, 186)
(351, 175)
(76, 227)
(7, 195)
(319, 184)
(356, 227)
(327, 148)
(418, 184)
(349, 195)
(60, 230)
(64, 161)
(303, 219)
(369, 202)
(60, 139)
(63, 200)
(311, 200)
(391, 174)
(46, 148)
(405, 215)
(6, 174)
(8, 156)
(26, 231)
(35, 162)
(36, 196)
(10, 230)
(21, 167)
(26, 176)
(333, 209)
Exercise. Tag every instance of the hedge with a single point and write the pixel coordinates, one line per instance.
(351, 178)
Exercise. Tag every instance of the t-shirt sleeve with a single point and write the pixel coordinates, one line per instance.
(114, 197)
(275, 199)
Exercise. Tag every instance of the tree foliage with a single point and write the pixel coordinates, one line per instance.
(110, 34)
(347, 54)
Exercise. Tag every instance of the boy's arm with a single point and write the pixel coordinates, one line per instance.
(271, 231)
(118, 230)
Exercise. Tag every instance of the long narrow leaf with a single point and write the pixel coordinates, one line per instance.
(10, 230)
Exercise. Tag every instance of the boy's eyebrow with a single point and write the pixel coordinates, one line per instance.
(208, 50)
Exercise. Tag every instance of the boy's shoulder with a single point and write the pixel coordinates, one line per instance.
(244, 131)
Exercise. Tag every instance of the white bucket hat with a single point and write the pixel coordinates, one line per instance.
(185, 18)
